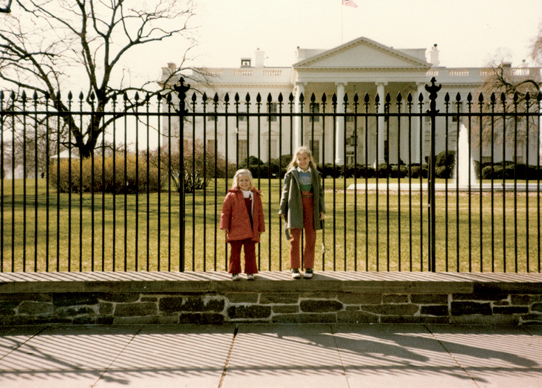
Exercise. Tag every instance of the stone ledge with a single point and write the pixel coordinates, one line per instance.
(219, 282)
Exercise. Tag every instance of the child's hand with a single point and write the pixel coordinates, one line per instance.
(225, 231)
(322, 215)
(283, 216)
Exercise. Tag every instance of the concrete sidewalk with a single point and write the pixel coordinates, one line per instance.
(271, 356)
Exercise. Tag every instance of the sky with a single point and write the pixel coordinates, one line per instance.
(469, 33)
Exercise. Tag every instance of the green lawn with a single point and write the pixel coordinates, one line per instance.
(142, 232)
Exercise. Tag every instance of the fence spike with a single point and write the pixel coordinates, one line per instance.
(447, 97)
(481, 98)
(493, 98)
(388, 98)
(458, 97)
(356, 98)
(539, 97)
(324, 98)
(291, 97)
(334, 99)
(204, 97)
(215, 98)
(527, 96)
(269, 98)
(516, 97)
(503, 97)
(247, 98)
(35, 95)
(399, 98)
(114, 97)
(366, 98)
(125, 97)
(301, 98)
(137, 96)
(377, 99)
(313, 98)
(469, 97)
(280, 98)
(236, 97)
(345, 98)
(1, 95)
(258, 98)
(70, 95)
(409, 98)
(227, 98)
(420, 97)
(194, 97)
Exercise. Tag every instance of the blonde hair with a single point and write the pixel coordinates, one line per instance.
(301, 150)
(243, 171)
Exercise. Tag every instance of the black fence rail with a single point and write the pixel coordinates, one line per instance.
(411, 183)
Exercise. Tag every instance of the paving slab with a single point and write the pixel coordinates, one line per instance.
(495, 356)
(12, 338)
(172, 356)
(64, 357)
(285, 356)
(396, 356)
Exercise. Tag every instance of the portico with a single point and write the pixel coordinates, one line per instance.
(361, 67)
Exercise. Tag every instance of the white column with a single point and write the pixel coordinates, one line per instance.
(339, 135)
(418, 123)
(300, 89)
(381, 123)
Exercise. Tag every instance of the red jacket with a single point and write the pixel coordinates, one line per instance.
(235, 216)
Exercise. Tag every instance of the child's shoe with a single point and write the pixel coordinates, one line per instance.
(295, 273)
(250, 276)
(235, 277)
(308, 273)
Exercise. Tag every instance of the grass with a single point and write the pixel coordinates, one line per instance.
(364, 231)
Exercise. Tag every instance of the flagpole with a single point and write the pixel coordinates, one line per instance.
(342, 26)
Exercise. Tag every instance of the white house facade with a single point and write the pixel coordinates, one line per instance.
(361, 66)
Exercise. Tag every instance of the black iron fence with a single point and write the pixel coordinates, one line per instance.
(411, 183)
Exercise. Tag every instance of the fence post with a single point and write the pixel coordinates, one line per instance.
(432, 112)
(181, 88)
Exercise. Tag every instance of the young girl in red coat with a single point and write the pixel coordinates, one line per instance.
(242, 220)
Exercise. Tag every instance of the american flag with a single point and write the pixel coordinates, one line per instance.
(350, 3)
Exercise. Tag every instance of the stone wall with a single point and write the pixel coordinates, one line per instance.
(335, 298)
(322, 307)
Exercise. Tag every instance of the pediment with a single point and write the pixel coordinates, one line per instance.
(362, 53)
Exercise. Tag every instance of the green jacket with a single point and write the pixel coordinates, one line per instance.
(290, 200)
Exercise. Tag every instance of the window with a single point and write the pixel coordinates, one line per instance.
(273, 108)
(349, 119)
(274, 149)
(242, 118)
(315, 110)
(242, 150)
(211, 118)
(315, 149)
(211, 145)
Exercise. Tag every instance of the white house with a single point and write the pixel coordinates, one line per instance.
(360, 66)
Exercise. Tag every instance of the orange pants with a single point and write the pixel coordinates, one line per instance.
(310, 237)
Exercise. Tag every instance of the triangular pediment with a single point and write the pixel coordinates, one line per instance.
(362, 53)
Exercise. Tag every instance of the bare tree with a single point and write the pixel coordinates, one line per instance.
(510, 90)
(43, 43)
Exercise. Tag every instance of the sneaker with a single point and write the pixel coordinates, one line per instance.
(308, 273)
(250, 276)
(295, 273)
(235, 277)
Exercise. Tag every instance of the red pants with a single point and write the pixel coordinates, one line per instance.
(310, 237)
(250, 256)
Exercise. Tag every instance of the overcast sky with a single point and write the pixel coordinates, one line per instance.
(468, 32)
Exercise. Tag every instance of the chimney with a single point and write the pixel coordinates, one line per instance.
(259, 58)
(433, 56)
